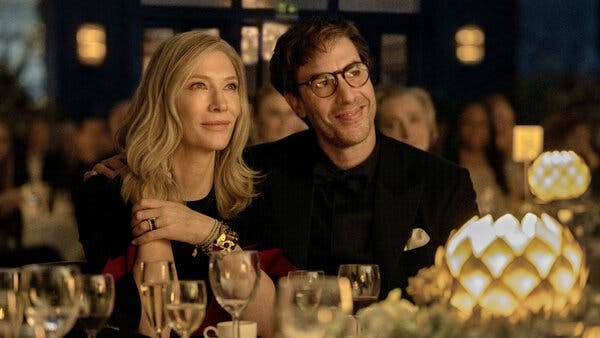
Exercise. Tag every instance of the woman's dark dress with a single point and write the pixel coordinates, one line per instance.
(105, 233)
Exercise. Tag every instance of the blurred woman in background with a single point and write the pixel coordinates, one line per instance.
(408, 115)
(273, 118)
(475, 149)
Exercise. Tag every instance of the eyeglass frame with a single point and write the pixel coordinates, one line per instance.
(335, 78)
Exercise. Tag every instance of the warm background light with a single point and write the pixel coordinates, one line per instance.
(271, 31)
(91, 44)
(528, 142)
(250, 45)
(470, 44)
(510, 269)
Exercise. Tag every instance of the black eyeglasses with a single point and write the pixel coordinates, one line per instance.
(325, 84)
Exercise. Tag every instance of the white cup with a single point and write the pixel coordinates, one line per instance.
(225, 330)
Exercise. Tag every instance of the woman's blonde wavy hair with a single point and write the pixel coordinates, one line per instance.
(153, 129)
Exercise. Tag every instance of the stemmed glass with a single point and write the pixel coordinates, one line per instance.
(11, 302)
(154, 278)
(365, 282)
(97, 301)
(234, 280)
(53, 297)
(313, 309)
(185, 306)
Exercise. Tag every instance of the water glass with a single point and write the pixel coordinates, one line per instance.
(97, 301)
(11, 302)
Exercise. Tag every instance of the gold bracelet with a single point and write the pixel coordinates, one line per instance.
(207, 242)
(226, 240)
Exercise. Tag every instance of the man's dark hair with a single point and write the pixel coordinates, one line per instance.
(301, 42)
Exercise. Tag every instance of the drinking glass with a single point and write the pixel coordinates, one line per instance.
(185, 306)
(307, 275)
(365, 282)
(154, 277)
(234, 280)
(313, 310)
(11, 302)
(97, 301)
(53, 297)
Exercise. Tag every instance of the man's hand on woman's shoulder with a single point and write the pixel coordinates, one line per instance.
(110, 167)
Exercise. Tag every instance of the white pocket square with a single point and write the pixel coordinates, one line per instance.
(417, 239)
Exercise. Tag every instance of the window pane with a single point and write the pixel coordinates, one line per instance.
(301, 4)
(153, 37)
(22, 46)
(393, 59)
(381, 6)
(250, 45)
(251, 4)
(270, 33)
(187, 3)
(210, 31)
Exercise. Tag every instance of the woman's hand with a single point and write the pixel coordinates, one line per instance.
(173, 221)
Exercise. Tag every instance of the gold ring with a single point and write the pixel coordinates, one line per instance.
(152, 222)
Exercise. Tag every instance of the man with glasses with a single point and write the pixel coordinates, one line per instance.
(341, 192)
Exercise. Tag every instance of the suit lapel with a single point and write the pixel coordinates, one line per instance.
(297, 206)
(397, 199)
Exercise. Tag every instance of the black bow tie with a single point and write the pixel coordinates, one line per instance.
(338, 179)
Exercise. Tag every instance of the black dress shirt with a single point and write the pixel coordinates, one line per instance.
(342, 214)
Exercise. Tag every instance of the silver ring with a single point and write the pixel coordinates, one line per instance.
(152, 222)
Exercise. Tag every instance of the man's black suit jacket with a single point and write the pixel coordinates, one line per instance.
(414, 189)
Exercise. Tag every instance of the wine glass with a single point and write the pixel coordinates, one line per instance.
(234, 280)
(313, 310)
(53, 297)
(365, 282)
(185, 306)
(306, 275)
(154, 278)
(97, 301)
(11, 302)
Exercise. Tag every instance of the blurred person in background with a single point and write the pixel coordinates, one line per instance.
(273, 118)
(117, 115)
(93, 141)
(10, 216)
(571, 131)
(408, 115)
(475, 149)
(574, 131)
(504, 119)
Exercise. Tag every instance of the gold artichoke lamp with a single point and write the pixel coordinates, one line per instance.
(558, 175)
(507, 268)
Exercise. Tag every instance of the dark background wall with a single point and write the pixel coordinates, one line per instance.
(541, 53)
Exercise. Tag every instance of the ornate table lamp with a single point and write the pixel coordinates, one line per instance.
(558, 175)
(510, 269)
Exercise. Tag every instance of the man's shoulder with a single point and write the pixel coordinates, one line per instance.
(416, 158)
(286, 149)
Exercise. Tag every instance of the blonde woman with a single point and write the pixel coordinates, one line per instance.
(183, 137)
(408, 115)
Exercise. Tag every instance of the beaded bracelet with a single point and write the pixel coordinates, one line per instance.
(220, 238)
(227, 240)
(212, 236)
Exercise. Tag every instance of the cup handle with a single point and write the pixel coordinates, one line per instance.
(208, 330)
